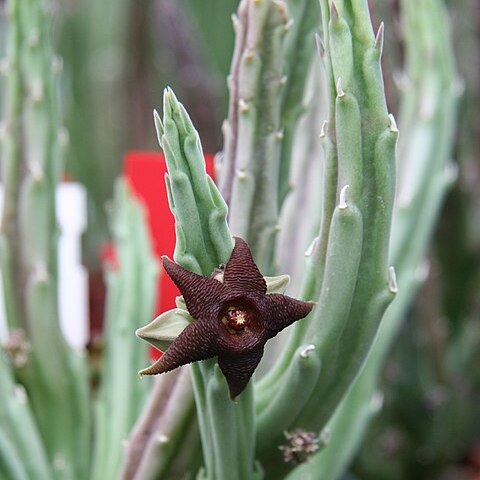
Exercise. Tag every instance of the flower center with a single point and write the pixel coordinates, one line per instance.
(235, 319)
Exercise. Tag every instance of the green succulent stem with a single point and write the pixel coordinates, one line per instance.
(298, 57)
(351, 253)
(94, 99)
(54, 377)
(203, 243)
(130, 303)
(428, 100)
(252, 133)
(22, 451)
(11, 162)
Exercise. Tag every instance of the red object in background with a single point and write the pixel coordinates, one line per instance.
(145, 172)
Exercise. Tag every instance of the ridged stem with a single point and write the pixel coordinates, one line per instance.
(298, 56)
(252, 133)
(204, 242)
(308, 165)
(130, 303)
(353, 291)
(428, 99)
(22, 453)
(10, 142)
(161, 437)
(95, 102)
(54, 377)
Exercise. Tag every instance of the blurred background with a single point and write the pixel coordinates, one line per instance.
(119, 55)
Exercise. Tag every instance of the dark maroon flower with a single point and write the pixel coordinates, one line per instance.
(234, 317)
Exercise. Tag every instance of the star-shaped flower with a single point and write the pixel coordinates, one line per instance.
(233, 318)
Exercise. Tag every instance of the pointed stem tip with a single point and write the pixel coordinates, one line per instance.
(168, 97)
(379, 38)
(333, 11)
(158, 126)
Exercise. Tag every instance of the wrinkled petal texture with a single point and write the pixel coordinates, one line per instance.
(195, 343)
(202, 295)
(233, 319)
(241, 272)
(282, 311)
(239, 369)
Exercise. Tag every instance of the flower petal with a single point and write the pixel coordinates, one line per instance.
(280, 311)
(241, 272)
(195, 343)
(239, 369)
(202, 295)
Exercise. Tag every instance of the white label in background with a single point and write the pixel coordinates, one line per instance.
(71, 203)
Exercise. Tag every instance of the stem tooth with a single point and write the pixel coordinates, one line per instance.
(243, 105)
(340, 92)
(320, 45)
(324, 129)
(451, 173)
(376, 402)
(392, 280)
(325, 436)
(288, 25)
(37, 172)
(333, 11)
(248, 56)
(37, 91)
(312, 247)
(423, 270)
(306, 350)
(236, 23)
(21, 394)
(392, 123)
(343, 197)
(40, 272)
(241, 174)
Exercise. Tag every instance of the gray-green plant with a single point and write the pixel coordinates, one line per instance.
(95, 104)
(46, 400)
(319, 380)
(250, 181)
(53, 377)
(131, 297)
(429, 90)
